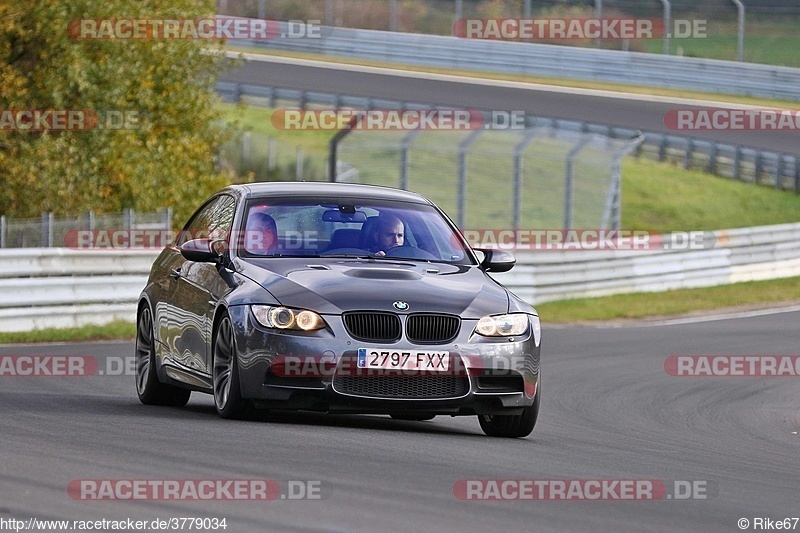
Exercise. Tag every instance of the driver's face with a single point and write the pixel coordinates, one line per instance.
(391, 235)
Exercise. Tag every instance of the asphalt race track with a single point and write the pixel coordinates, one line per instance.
(610, 411)
(623, 111)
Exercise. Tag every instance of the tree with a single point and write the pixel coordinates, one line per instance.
(164, 155)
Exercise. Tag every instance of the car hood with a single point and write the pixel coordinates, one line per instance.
(333, 286)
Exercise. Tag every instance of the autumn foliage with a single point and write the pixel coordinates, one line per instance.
(156, 134)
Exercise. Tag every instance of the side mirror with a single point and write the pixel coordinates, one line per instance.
(497, 260)
(204, 250)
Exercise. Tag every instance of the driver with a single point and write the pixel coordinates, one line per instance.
(389, 233)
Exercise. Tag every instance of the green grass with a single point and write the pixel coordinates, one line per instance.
(259, 120)
(639, 305)
(112, 331)
(663, 197)
(771, 42)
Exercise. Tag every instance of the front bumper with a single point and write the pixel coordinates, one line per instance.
(486, 375)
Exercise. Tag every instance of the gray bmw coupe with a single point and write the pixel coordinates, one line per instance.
(336, 298)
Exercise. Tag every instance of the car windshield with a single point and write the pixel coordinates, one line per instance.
(341, 227)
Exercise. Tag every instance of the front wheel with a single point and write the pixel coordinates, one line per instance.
(227, 392)
(150, 390)
(512, 426)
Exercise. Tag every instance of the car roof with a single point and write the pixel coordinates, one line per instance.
(291, 188)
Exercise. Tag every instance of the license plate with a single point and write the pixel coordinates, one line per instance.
(403, 359)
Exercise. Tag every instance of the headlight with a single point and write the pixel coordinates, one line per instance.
(285, 318)
(502, 325)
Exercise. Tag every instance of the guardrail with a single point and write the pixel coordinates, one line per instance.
(61, 288)
(637, 68)
(774, 169)
(55, 287)
(744, 254)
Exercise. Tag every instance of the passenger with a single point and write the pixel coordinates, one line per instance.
(261, 234)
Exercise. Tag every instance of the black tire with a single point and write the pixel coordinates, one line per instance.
(416, 418)
(225, 375)
(149, 389)
(512, 426)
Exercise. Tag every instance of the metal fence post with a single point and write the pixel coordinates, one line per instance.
(462, 176)
(570, 179)
(393, 15)
(740, 9)
(526, 9)
(796, 175)
(757, 165)
(516, 215)
(711, 166)
(405, 144)
(612, 213)
(245, 148)
(737, 163)
(333, 147)
(329, 13)
(598, 13)
(779, 173)
(271, 153)
(47, 230)
(459, 9)
(616, 207)
(126, 219)
(687, 159)
(2, 231)
(299, 169)
(262, 9)
(667, 24)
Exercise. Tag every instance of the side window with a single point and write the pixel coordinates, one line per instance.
(212, 221)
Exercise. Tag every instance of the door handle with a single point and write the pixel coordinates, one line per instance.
(175, 273)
